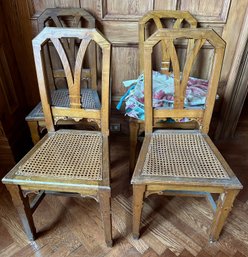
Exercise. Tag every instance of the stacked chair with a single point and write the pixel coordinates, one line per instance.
(62, 18)
(160, 19)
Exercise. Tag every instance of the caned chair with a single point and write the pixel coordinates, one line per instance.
(72, 161)
(157, 19)
(183, 162)
(65, 17)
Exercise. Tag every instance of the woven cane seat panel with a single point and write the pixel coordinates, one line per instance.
(182, 155)
(67, 155)
(89, 100)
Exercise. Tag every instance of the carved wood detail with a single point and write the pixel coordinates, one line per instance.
(206, 11)
(125, 10)
(8, 87)
(229, 123)
(236, 88)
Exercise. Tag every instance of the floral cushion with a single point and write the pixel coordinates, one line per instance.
(163, 94)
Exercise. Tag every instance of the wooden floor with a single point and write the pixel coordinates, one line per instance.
(172, 226)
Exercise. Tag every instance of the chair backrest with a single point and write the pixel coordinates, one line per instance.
(62, 18)
(181, 74)
(65, 17)
(73, 74)
(177, 17)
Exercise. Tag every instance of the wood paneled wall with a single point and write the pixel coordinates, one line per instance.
(14, 134)
(118, 20)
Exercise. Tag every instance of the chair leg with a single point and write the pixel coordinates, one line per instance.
(22, 206)
(34, 130)
(134, 130)
(138, 195)
(224, 206)
(105, 206)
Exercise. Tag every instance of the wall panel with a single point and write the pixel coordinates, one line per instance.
(93, 6)
(67, 3)
(38, 6)
(14, 137)
(117, 9)
(121, 32)
(207, 11)
(124, 67)
(165, 5)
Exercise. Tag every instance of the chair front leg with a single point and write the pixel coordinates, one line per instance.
(105, 207)
(22, 206)
(138, 196)
(224, 206)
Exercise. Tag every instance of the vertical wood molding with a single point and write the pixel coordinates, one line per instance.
(237, 98)
(125, 10)
(210, 11)
(178, 4)
(232, 104)
(8, 88)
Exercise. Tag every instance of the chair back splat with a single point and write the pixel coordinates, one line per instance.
(61, 17)
(181, 76)
(68, 18)
(177, 18)
(73, 75)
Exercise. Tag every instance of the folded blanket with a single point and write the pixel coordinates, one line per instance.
(163, 94)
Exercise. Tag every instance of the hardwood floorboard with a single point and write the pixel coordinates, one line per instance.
(221, 254)
(10, 250)
(28, 250)
(238, 254)
(185, 253)
(202, 253)
(7, 239)
(171, 226)
(168, 253)
(150, 253)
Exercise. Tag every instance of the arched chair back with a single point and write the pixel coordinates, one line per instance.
(68, 18)
(177, 18)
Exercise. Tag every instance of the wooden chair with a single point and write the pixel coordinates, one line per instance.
(183, 162)
(65, 17)
(176, 20)
(72, 161)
